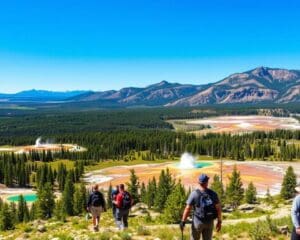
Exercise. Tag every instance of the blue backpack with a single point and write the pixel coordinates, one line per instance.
(126, 201)
(205, 209)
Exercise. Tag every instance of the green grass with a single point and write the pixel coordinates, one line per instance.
(54, 165)
(181, 125)
(111, 163)
(241, 215)
(76, 226)
(131, 159)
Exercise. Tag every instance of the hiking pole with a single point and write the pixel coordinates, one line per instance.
(181, 225)
(182, 234)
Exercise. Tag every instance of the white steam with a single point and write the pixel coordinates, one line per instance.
(187, 161)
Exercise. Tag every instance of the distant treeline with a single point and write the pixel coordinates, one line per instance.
(112, 134)
(277, 145)
(45, 122)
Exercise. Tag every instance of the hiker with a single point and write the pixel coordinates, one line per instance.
(123, 203)
(96, 205)
(114, 194)
(207, 207)
(295, 214)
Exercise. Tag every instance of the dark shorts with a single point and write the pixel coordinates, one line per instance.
(204, 229)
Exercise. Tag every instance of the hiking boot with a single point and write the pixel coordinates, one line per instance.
(96, 228)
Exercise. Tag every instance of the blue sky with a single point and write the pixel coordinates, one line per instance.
(100, 45)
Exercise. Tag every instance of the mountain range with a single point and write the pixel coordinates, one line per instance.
(39, 96)
(260, 85)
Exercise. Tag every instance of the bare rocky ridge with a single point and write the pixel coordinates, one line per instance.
(154, 95)
(259, 85)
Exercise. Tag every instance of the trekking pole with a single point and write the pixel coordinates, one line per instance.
(181, 234)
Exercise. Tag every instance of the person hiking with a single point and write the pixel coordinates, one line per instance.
(123, 202)
(207, 207)
(114, 194)
(295, 214)
(96, 205)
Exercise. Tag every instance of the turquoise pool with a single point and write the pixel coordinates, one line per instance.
(28, 198)
(197, 164)
(203, 164)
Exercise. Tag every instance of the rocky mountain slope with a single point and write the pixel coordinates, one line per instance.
(154, 95)
(268, 85)
(258, 85)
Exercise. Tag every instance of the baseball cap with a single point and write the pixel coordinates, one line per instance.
(203, 178)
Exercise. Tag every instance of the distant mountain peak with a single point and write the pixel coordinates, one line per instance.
(261, 84)
(163, 82)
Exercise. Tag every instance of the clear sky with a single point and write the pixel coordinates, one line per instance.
(100, 45)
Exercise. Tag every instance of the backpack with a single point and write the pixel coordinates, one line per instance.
(126, 201)
(114, 194)
(97, 199)
(205, 209)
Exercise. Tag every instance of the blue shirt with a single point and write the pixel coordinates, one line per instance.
(193, 200)
(295, 212)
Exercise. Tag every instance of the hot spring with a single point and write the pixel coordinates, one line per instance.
(27, 197)
(188, 161)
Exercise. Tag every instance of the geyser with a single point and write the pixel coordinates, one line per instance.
(187, 161)
(38, 142)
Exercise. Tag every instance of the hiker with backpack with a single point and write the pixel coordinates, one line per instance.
(114, 195)
(123, 202)
(295, 214)
(96, 205)
(206, 208)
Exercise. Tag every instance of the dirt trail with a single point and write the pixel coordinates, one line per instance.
(279, 213)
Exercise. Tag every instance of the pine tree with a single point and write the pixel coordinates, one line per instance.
(217, 186)
(133, 186)
(33, 213)
(289, 183)
(175, 204)
(234, 190)
(14, 212)
(269, 198)
(109, 199)
(68, 195)
(250, 194)
(1, 203)
(45, 202)
(143, 193)
(21, 208)
(164, 189)
(59, 211)
(151, 193)
(79, 199)
(61, 176)
(26, 213)
(6, 218)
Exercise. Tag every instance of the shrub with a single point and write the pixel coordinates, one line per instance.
(260, 231)
(125, 236)
(27, 229)
(104, 236)
(142, 231)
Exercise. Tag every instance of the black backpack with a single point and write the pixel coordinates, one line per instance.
(126, 201)
(205, 209)
(97, 199)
